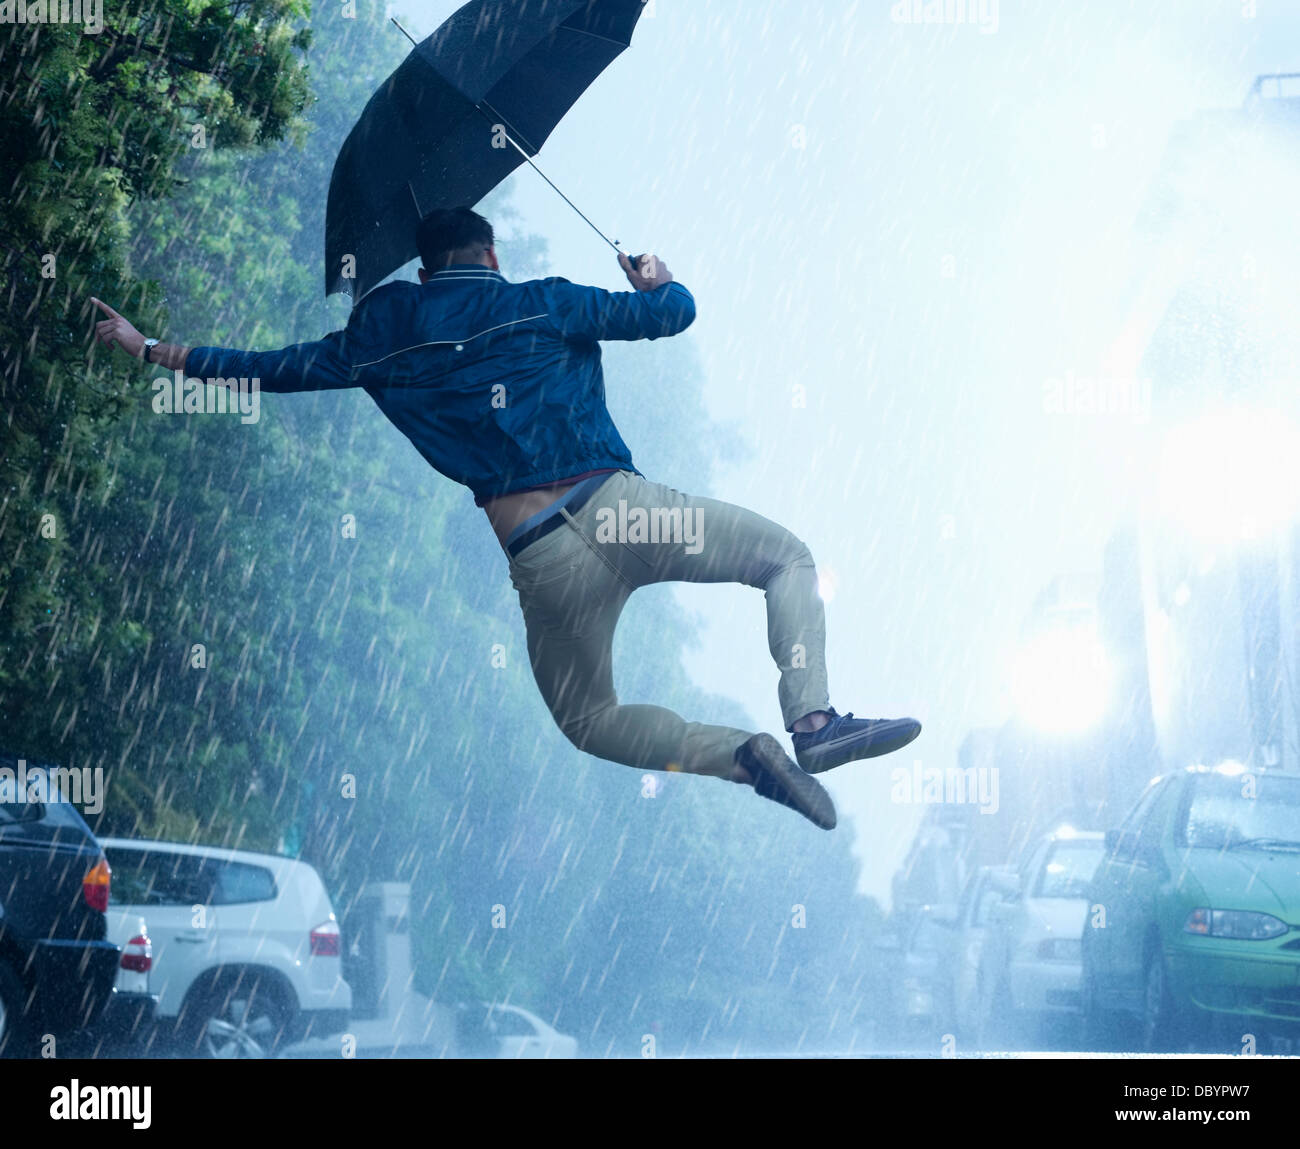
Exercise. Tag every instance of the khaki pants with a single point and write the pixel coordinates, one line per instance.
(574, 581)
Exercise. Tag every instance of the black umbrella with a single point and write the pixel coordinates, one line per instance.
(465, 109)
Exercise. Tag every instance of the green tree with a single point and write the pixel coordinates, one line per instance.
(88, 125)
(365, 697)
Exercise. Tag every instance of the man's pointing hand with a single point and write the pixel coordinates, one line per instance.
(116, 331)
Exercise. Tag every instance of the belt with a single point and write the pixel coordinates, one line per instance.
(547, 525)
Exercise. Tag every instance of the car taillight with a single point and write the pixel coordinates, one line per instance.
(137, 955)
(325, 940)
(95, 885)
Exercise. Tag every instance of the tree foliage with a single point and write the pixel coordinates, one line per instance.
(291, 634)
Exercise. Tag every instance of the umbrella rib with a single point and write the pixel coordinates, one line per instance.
(594, 36)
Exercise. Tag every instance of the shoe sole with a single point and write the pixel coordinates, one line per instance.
(764, 755)
(851, 748)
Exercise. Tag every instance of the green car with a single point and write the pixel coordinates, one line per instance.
(1193, 926)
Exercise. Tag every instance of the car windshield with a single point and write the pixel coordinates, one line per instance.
(1069, 869)
(1227, 811)
(57, 813)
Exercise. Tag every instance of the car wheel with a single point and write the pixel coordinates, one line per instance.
(996, 1021)
(1101, 1028)
(15, 1030)
(1221, 1033)
(244, 1021)
(1161, 1025)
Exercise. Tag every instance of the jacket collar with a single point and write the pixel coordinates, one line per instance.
(467, 271)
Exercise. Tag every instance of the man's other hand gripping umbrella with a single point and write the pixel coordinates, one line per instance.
(499, 386)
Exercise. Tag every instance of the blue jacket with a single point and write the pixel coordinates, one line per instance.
(497, 384)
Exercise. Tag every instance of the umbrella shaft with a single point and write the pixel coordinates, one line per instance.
(612, 243)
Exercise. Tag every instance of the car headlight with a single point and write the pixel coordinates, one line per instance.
(1244, 925)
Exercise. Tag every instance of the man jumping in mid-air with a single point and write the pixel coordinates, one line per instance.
(499, 386)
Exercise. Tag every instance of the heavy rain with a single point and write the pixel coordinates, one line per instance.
(926, 367)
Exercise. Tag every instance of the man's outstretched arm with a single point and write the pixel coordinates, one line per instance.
(316, 366)
(659, 306)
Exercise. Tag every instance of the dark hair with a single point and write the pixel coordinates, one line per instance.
(448, 230)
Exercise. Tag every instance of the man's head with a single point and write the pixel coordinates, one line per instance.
(454, 235)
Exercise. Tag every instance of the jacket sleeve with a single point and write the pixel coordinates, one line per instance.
(592, 313)
(321, 365)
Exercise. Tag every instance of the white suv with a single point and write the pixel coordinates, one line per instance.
(246, 950)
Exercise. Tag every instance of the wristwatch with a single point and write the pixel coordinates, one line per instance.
(149, 345)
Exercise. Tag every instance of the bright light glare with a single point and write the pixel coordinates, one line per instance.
(1231, 477)
(1061, 681)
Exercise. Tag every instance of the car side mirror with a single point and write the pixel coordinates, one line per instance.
(1006, 882)
(1003, 910)
(1126, 847)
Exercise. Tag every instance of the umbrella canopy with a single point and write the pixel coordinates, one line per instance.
(432, 135)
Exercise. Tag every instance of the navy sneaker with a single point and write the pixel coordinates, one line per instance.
(780, 780)
(846, 739)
